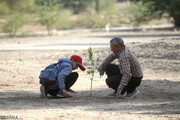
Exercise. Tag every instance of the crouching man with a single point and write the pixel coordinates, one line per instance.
(57, 79)
(125, 77)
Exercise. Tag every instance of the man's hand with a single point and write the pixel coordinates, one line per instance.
(65, 93)
(70, 90)
(118, 93)
(101, 71)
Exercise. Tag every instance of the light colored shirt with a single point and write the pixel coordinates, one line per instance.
(128, 64)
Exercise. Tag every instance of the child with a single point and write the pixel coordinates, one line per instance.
(57, 79)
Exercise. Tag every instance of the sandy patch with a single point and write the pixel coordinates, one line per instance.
(159, 96)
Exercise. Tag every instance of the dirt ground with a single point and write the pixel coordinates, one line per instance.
(159, 97)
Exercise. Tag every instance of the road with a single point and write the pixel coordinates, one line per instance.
(81, 40)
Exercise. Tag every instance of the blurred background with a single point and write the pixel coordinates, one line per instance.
(27, 16)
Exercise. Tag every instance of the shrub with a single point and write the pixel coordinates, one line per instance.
(49, 15)
(139, 13)
(4, 7)
(21, 5)
(163, 6)
(92, 21)
(12, 25)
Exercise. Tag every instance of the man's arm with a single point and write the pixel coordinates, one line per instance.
(65, 71)
(126, 72)
(101, 68)
(108, 60)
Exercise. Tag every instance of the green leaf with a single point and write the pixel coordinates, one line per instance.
(90, 67)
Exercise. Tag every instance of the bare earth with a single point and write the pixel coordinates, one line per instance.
(22, 59)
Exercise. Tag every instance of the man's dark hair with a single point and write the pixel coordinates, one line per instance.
(117, 41)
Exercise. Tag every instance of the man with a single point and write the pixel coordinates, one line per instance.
(58, 78)
(125, 77)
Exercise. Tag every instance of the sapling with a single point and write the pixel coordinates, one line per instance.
(92, 67)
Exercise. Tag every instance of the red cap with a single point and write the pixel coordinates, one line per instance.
(78, 59)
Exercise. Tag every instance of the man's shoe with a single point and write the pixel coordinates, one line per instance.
(112, 95)
(131, 95)
(43, 92)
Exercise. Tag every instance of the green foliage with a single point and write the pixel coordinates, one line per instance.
(139, 13)
(49, 15)
(82, 5)
(174, 11)
(108, 6)
(92, 21)
(48, 19)
(93, 67)
(76, 5)
(98, 21)
(122, 0)
(105, 6)
(50, 5)
(45, 2)
(64, 22)
(4, 7)
(14, 23)
(8, 6)
(164, 6)
(21, 5)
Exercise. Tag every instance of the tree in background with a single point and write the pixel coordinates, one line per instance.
(139, 13)
(6, 6)
(172, 7)
(44, 2)
(21, 5)
(14, 23)
(174, 11)
(97, 6)
(81, 5)
(76, 5)
(49, 14)
(122, 0)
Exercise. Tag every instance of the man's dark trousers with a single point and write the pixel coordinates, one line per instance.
(114, 79)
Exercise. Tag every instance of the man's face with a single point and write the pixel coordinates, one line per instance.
(115, 49)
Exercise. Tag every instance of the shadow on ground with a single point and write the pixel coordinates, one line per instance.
(156, 97)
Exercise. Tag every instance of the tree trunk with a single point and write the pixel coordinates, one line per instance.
(97, 6)
(177, 20)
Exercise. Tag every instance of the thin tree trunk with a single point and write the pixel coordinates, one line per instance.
(97, 6)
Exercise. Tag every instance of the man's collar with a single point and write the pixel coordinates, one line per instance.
(120, 51)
